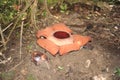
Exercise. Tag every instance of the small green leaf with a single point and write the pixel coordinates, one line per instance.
(7, 75)
(31, 77)
(117, 71)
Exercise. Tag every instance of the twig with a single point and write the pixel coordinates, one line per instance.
(21, 32)
(13, 29)
(47, 64)
(2, 36)
(16, 65)
(7, 27)
(5, 61)
(20, 2)
(46, 7)
(1, 45)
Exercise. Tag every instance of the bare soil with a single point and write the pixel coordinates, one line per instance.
(96, 61)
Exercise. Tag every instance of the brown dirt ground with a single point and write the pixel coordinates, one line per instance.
(98, 63)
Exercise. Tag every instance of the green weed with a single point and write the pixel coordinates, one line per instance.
(44, 13)
(7, 11)
(63, 8)
(117, 72)
(30, 77)
(7, 75)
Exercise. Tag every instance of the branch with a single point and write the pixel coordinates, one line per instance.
(46, 7)
(2, 36)
(21, 32)
(7, 27)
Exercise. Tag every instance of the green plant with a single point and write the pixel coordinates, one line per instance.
(117, 71)
(44, 13)
(30, 77)
(7, 75)
(7, 10)
(113, 1)
(63, 8)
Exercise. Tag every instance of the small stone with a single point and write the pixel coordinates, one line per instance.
(116, 27)
(99, 77)
(24, 71)
(88, 62)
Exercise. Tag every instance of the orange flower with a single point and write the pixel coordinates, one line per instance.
(58, 38)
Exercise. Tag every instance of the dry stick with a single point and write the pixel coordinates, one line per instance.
(12, 29)
(2, 36)
(13, 68)
(0, 60)
(21, 32)
(7, 27)
(19, 1)
(47, 64)
(1, 45)
(46, 7)
(5, 61)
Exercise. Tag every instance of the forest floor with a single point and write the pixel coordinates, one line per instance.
(96, 63)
